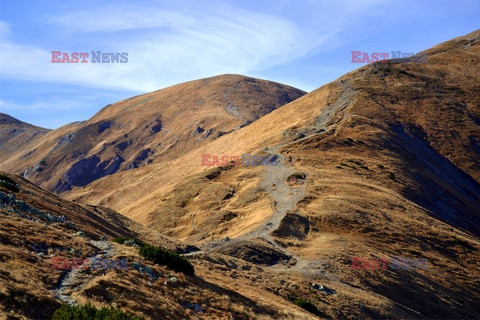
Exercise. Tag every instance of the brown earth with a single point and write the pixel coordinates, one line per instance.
(381, 163)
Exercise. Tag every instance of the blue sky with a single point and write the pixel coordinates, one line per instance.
(303, 43)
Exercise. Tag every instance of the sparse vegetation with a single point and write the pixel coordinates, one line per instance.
(339, 167)
(89, 312)
(307, 305)
(364, 167)
(7, 183)
(6, 179)
(9, 186)
(43, 163)
(391, 175)
(167, 258)
(381, 166)
(161, 256)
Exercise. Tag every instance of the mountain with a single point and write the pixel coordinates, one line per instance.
(37, 227)
(135, 132)
(381, 163)
(15, 133)
(368, 208)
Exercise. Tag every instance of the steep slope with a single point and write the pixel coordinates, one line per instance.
(150, 128)
(15, 133)
(387, 164)
(37, 227)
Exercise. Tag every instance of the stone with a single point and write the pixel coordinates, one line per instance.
(325, 289)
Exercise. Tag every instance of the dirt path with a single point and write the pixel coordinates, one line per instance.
(285, 197)
(75, 279)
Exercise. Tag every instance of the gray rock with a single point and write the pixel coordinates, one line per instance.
(325, 289)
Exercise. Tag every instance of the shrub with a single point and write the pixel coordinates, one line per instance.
(167, 258)
(380, 166)
(7, 179)
(8, 186)
(43, 163)
(307, 305)
(391, 176)
(89, 312)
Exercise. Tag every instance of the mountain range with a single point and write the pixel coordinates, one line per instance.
(382, 163)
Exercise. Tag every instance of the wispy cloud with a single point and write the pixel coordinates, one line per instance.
(164, 46)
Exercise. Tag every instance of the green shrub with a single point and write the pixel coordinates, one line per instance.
(307, 305)
(7, 179)
(40, 169)
(167, 258)
(380, 166)
(89, 312)
(8, 186)
(43, 163)
(391, 176)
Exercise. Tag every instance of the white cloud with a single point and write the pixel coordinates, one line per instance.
(169, 46)
(164, 47)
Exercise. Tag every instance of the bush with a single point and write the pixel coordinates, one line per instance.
(43, 163)
(167, 258)
(7, 179)
(307, 305)
(381, 166)
(391, 176)
(8, 186)
(89, 312)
